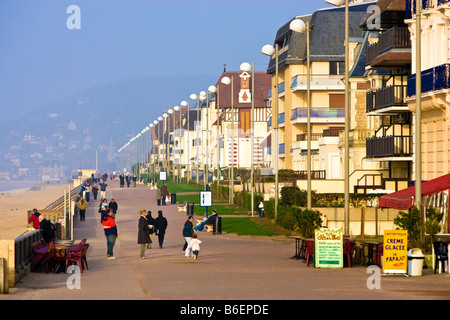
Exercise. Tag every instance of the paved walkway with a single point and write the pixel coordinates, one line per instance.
(229, 267)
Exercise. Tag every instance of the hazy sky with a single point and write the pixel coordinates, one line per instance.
(43, 61)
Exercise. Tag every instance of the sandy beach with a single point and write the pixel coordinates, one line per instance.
(14, 205)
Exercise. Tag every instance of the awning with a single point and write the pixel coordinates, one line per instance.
(404, 199)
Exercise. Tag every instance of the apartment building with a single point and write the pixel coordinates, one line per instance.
(327, 89)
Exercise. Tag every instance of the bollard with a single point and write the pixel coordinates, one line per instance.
(4, 285)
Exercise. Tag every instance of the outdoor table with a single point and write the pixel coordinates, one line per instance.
(372, 250)
(62, 246)
(300, 247)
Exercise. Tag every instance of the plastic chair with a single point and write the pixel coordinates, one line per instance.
(309, 251)
(55, 258)
(75, 254)
(83, 255)
(441, 254)
(348, 250)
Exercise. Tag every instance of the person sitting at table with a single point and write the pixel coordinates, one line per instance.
(211, 221)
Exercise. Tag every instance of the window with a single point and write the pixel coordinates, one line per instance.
(337, 101)
(337, 67)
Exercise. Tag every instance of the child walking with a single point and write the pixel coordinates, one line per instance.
(194, 245)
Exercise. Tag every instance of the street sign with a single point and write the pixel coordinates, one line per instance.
(205, 198)
(162, 176)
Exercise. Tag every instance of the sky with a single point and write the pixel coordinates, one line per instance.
(48, 52)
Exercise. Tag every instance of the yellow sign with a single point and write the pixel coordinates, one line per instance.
(395, 251)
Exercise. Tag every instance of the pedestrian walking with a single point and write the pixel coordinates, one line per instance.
(82, 206)
(143, 232)
(160, 228)
(194, 245)
(102, 209)
(188, 231)
(151, 222)
(111, 234)
(113, 206)
(103, 186)
(95, 191)
(122, 180)
(164, 194)
(158, 195)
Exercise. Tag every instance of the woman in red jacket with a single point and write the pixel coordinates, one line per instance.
(110, 228)
(35, 219)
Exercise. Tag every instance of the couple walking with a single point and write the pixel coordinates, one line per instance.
(146, 226)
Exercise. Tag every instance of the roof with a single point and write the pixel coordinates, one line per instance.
(324, 45)
(404, 199)
(262, 86)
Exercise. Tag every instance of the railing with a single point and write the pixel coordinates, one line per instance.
(391, 146)
(386, 97)
(23, 254)
(320, 113)
(433, 79)
(315, 174)
(300, 81)
(396, 37)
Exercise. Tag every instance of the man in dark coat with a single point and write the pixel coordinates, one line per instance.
(143, 232)
(47, 228)
(160, 228)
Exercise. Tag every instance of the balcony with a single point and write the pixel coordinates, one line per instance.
(319, 115)
(433, 79)
(318, 82)
(392, 49)
(389, 147)
(386, 101)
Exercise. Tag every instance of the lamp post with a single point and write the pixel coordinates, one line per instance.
(177, 109)
(270, 51)
(229, 81)
(299, 26)
(339, 3)
(214, 89)
(187, 144)
(251, 68)
(166, 143)
(418, 120)
(195, 97)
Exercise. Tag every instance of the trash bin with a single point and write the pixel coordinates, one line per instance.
(173, 198)
(190, 209)
(217, 227)
(415, 262)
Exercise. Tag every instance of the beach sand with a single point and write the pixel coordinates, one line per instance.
(14, 205)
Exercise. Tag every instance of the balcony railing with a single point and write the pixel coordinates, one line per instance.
(393, 38)
(386, 97)
(391, 146)
(433, 79)
(319, 113)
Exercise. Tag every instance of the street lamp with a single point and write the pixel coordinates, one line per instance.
(215, 90)
(300, 26)
(270, 51)
(229, 81)
(339, 3)
(247, 67)
(195, 97)
(166, 162)
(188, 147)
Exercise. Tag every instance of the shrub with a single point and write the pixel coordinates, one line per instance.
(410, 221)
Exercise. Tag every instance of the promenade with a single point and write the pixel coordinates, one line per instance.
(229, 267)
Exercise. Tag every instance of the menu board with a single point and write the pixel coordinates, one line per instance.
(395, 251)
(328, 250)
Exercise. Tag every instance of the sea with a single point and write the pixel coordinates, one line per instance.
(16, 184)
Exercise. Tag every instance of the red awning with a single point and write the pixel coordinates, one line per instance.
(404, 199)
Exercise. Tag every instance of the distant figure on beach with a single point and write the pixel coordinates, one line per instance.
(34, 219)
(82, 206)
